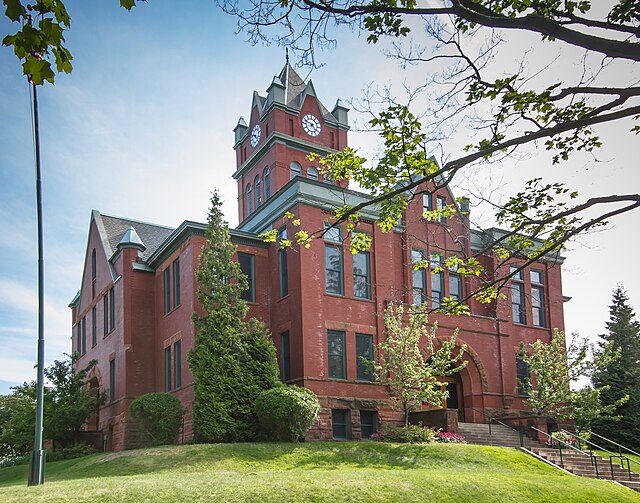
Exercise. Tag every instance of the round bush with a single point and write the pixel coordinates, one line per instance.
(158, 416)
(287, 412)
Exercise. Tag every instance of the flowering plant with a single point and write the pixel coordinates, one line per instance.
(559, 440)
(450, 438)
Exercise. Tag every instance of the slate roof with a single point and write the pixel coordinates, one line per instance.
(295, 86)
(152, 235)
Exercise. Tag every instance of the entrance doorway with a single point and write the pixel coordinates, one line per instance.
(455, 399)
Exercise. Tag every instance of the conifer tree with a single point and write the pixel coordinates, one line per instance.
(232, 360)
(622, 376)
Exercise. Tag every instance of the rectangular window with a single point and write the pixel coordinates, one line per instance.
(332, 234)
(517, 296)
(368, 423)
(364, 353)
(334, 278)
(419, 277)
(84, 336)
(167, 290)
(94, 327)
(340, 424)
(522, 375)
(361, 275)
(441, 202)
(177, 363)
(79, 338)
(167, 368)
(112, 306)
(246, 266)
(437, 280)
(537, 299)
(282, 259)
(455, 286)
(112, 380)
(427, 204)
(176, 282)
(336, 350)
(105, 314)
(285, 371)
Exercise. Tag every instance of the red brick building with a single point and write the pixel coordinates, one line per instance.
(322, 304)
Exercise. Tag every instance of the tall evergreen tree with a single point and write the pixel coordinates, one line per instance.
(622, 376)
(232, 360)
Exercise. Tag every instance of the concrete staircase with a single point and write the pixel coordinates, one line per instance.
(581, 464)
(502, 436)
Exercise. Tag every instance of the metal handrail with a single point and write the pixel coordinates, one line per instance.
(561, 443)
(492, 419)
(611, 454)
(630, 451)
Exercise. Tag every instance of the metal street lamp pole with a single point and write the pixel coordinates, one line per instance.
(37, 460)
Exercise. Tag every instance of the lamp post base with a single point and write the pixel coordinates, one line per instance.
(36, 467)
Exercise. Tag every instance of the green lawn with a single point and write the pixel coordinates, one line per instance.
(309, 472)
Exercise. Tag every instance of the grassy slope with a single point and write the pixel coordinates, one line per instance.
(309, 472)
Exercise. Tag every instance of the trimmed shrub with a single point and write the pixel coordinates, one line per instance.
(287, 412)
(158, 416)
(412, 434)
(77, 451)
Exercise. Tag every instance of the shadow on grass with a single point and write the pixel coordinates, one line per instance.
(272, 457)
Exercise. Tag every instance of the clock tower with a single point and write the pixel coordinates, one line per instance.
(284, 127)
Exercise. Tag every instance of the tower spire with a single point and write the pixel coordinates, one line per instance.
(286, 55)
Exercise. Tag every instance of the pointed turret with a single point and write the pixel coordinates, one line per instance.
(276, 92)
(240, 130)
(341, 113)
(130, 239)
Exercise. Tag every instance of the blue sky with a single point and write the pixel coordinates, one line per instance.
(142, 128)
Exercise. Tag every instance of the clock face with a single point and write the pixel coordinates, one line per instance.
(255, 135)
(311, 125)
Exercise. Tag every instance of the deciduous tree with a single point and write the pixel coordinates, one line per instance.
(68, 403)
(554, 366)
(505, 108)
(410, 362)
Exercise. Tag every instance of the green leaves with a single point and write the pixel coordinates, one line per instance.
(39, 42)
(412, 378)
(14, 9)
(128, 4)
(232, 360)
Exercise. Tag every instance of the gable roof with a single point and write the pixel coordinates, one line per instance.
(152, 235)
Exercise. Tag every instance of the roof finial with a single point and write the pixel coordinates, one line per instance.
(286, 55)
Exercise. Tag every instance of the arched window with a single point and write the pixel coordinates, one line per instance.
(256, 182)
(312, 173)
(249, 200)
(295, 170)
(267, 184)
(93, 264)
